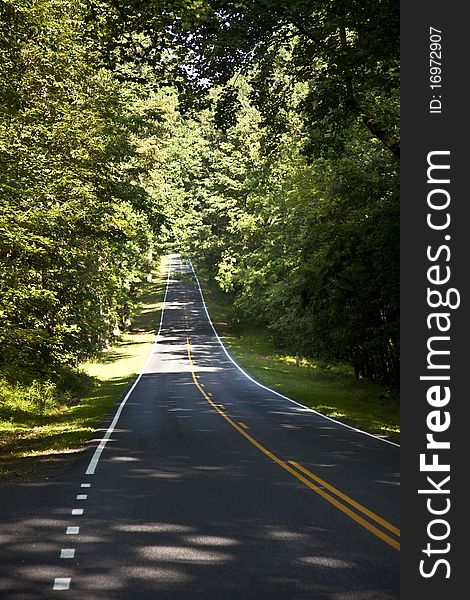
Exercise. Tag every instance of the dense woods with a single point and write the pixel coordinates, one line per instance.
(75, 234)
(260, 138)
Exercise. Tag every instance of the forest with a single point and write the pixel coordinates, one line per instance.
(259, 138)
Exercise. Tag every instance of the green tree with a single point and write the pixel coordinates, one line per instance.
(307, 249)
(260, 137)
(346, 51)
(75, 225)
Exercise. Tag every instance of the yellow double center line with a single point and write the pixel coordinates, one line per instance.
(293, 468)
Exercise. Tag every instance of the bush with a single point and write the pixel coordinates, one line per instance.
(37, 398)
(72, 382)
(38, 395)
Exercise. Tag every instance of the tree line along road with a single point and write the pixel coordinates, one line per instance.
(205, 484)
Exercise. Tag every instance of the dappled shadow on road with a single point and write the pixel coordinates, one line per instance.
(167, 528)
(183, 507)
(340, 453)
(179, 509)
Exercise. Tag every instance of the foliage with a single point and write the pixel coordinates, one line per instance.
(37, 398)
(75, 227)
(308, 249)
(260, 137)
(30, 439)
(345, 51)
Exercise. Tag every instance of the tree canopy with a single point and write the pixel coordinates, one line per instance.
(74, 225)
(346, 51)
(259, 137)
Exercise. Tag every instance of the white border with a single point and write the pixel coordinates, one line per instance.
(307, 408)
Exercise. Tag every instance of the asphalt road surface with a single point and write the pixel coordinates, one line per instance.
(207, 485)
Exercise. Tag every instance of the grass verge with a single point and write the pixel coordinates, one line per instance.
(331, 389)
(36, 446)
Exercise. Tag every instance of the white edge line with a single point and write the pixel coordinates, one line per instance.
(98, 451)
(271, 390)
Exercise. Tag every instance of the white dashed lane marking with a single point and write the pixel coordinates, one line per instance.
(61, 583)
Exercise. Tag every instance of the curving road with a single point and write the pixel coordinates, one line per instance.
(207, 485)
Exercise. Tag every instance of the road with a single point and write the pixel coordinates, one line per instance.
(204, 484)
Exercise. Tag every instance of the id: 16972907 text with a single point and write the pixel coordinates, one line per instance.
(435, 70)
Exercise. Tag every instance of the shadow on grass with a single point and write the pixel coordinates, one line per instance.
(111, 356)
(52, 441)
(68, 427)
(115, 353)
(38, 445)
(22, 417)
(33, 468)
(148, 315)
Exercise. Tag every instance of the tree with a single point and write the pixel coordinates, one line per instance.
(75, 226)
(346, 51)
(308, 250)
(260, 137)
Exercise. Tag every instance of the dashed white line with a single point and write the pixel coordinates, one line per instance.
(61, 583)
(72, 530)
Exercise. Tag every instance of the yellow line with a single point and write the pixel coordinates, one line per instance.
(380, 534)
(243, 425)
(347, 499)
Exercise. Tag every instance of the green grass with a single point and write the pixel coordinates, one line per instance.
(31, 436)
(331, 389)
(25, 433)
